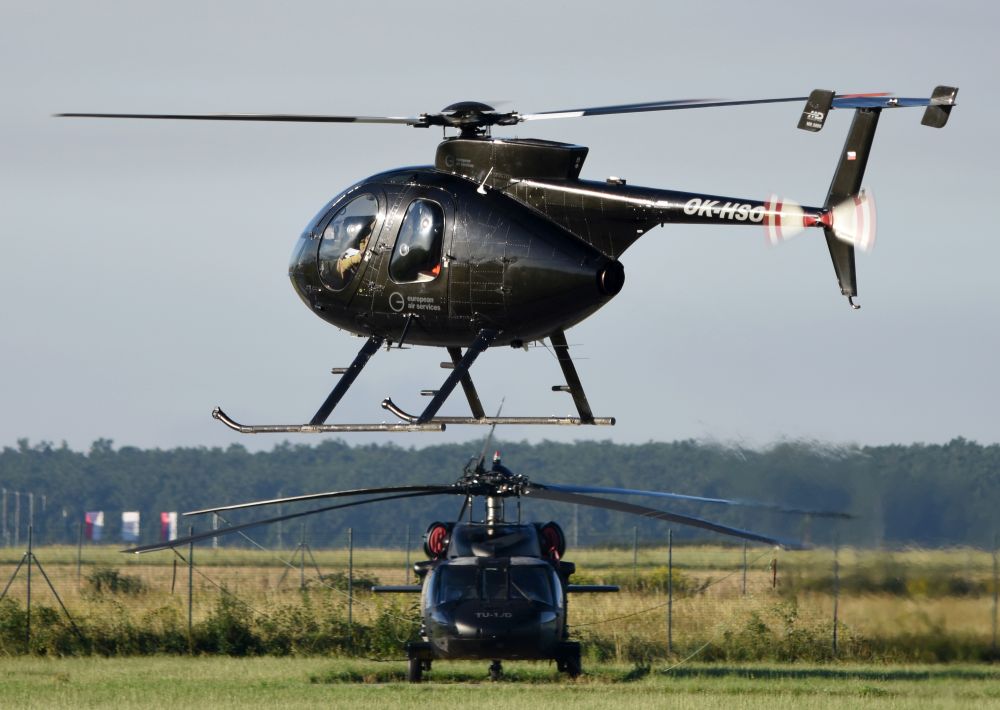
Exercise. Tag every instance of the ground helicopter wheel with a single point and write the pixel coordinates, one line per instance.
(415, 670)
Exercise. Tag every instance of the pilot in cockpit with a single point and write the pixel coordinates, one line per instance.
(357, 230)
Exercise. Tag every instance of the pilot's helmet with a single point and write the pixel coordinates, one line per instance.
(357, 229)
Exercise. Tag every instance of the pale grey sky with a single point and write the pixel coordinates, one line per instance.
(143, 264)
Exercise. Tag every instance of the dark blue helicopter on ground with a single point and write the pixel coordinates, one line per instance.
(496, 587)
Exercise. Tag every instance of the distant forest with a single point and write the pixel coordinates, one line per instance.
(922, 495)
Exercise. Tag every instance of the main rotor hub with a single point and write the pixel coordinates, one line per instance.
(473, 119)
(497, 482)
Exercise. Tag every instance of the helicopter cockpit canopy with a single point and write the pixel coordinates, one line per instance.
(345, 239)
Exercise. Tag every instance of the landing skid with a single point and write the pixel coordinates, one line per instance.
(428, 419)
(217, 413)
(389, 405)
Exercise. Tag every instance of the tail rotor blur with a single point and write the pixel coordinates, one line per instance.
(854, 221)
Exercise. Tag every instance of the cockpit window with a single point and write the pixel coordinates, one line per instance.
(345, 240)
(531, 583)
(457, 584)
(417, 254)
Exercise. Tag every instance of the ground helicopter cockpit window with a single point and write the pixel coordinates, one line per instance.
(345, 240)
(417, 254)
(473, 583)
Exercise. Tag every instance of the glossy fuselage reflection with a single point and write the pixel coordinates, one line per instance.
(422, 250)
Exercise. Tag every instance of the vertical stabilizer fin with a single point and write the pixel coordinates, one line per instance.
(817, 108)
(937, 113)
(847, 184)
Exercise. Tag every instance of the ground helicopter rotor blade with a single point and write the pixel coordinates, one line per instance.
(328, 494)
(262, 117)
(643, 511)
(695, 499)
(244, 526)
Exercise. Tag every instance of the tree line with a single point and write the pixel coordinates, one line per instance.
(917, 494)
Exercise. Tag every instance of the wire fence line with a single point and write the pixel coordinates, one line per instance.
(717, 596)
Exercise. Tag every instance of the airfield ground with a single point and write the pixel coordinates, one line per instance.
(215, 682)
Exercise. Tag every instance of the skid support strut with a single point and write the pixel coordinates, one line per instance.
(460, 373)
(467, 386)
(347, 379)
(573, 384)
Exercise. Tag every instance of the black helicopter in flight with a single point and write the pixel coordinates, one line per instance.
(501, 243)
(495, 587)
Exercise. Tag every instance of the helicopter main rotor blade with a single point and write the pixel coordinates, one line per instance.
(254, 523)
(695, 499)
(641, 510)
(670, 105)
(419, 121)
(329, 494)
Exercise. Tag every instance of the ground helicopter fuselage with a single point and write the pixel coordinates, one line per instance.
(497, 591)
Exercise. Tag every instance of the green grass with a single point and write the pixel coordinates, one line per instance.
(317, 682)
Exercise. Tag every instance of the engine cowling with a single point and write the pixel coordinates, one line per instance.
(552, 540)
(436, 539)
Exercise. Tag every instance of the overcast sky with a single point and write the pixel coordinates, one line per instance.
(143, 264)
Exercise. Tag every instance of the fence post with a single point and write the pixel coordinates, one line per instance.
(635, 552)
(996, 578)
(27, 626)
(3, 520)
(670, 592)
(407, 554)
(350, 585)
(302, 559)
(79, 551)
(190, 590)
(744, 568)
(836, 591)
(281, 527)
(17, 519)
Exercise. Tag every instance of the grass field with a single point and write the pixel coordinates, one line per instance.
(314, 682)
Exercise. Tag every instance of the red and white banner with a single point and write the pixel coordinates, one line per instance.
(93, 522)
(168, 526)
